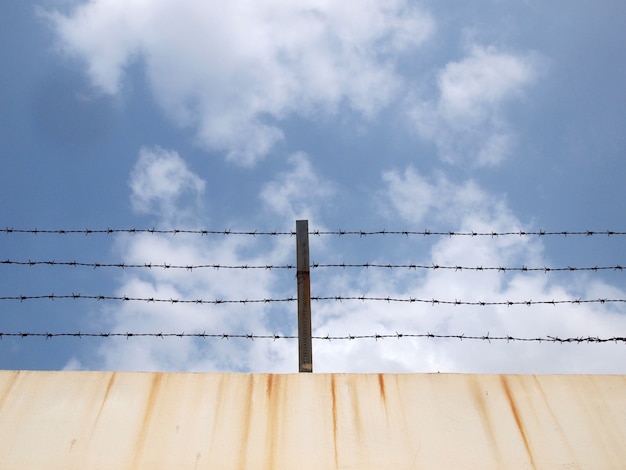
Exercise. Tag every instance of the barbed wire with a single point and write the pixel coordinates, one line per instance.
(349, 337)
(188, 267)
(508, 303)
(155, 231)
(337, 298)
(360, 233)
(191, 267)
(125, 298)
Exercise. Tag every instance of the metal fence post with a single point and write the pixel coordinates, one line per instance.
(305, 350)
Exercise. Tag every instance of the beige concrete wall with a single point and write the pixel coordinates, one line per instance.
(105, 420)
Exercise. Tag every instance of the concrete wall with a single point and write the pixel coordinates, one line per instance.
(106, 420)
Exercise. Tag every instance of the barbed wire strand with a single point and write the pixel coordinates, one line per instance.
(360, 233)
(268, 267)
(348, 337)
(125, 298)
(337, 298)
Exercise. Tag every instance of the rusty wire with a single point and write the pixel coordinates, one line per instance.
(360, 233)
(347, 337)
(336, 298)
(268, 267)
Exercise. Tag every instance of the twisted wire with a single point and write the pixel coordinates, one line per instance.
(191, 267)
(360, 233)
(336, 298)
(349, 337)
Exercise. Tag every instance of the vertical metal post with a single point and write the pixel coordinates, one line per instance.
(305, 350)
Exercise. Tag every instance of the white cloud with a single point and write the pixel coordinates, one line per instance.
(201, 283)
(233, 70)
(73, 364)
(466, 121)
(464, 207)
(158, 180)
(482, 80)
(297, 193)
(416, 199)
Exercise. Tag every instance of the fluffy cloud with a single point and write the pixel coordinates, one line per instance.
(466, 121)
(460, 206)
(464, 207)
(158, 181)
(233, 70)
(416, 199)
(297, 193)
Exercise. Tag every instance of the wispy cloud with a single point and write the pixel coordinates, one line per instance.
(158, 180)
(298, 192)
(466, 119)
(233, 71)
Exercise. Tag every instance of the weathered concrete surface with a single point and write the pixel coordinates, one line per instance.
(106, 420)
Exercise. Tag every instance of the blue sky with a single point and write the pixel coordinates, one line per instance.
(397, 115)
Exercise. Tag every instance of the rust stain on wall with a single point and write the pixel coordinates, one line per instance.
(147, 417)
(273, 419)
(381, 388)
(554, 418)
(482, 407)
(220, 407)
(246, 422)
(7, 391)
(104, 400)
(106, 396)
(257, 421)
(516, 415)
(356, 412)
(334, 396)
(270, 386)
